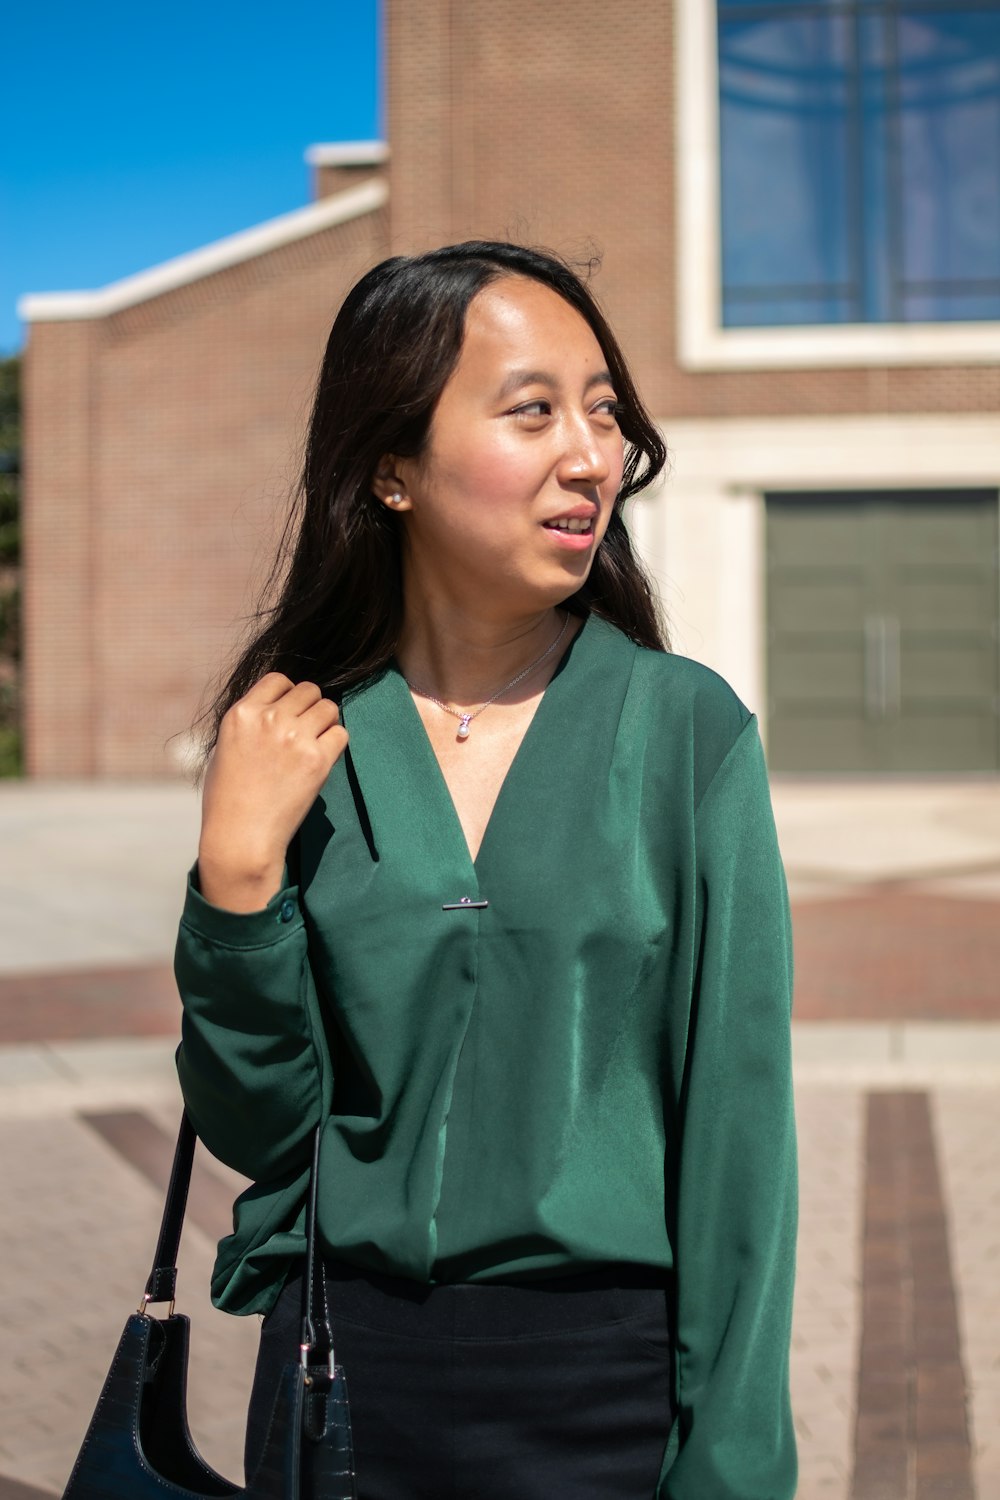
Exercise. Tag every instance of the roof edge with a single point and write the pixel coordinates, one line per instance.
(246, 244)
(347, 154)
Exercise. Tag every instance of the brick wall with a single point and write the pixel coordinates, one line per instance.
(544, 123)
(161, 452)
(555, 124)
(328, 181)
(58, 547)
(161, 442)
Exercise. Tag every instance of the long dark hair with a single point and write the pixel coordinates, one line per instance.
(332, 608)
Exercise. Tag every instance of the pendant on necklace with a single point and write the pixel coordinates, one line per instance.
(463, 726)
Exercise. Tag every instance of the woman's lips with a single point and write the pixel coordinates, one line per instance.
(576, 540)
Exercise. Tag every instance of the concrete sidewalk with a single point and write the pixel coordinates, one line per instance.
(938, 836)
(92, 873)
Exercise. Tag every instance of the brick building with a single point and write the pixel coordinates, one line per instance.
(806, 274)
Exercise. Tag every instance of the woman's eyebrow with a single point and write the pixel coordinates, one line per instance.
(519, 378)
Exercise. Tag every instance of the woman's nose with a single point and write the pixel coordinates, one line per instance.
(585, 457)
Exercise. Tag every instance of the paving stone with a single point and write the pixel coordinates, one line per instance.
(71, 1278)
(896, 954)
(61, 1005)
(76, 1256)
(968, 1132)
(825, 1328)
(27, 1066)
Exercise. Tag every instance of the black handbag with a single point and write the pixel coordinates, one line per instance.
(138, 1445)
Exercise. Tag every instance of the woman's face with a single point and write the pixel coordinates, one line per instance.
(508, 502)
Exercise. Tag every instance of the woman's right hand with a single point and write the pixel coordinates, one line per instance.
(275, 748)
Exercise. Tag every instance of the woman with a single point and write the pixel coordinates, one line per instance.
(523, 946)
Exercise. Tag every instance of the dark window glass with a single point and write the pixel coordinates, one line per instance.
(860, 161)
(949, 163)
(786, 121)
(769, 5)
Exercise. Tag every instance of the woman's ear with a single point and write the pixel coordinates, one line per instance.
(389, 487)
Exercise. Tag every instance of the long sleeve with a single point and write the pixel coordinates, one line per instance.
(253, 1061)
(737, 1188)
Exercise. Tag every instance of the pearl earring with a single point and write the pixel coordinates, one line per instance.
(395, 499)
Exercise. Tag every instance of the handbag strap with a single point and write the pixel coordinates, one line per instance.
(316, 1342)
(161, 1284)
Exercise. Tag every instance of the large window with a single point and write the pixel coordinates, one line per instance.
(860, 161)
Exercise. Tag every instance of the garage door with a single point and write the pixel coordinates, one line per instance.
(882, 631)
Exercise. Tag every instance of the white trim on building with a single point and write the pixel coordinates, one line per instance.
(702, 342)
(347, 154)
(339, 208)
(702, 533)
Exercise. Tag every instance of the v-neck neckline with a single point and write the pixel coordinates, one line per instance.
(417, 731)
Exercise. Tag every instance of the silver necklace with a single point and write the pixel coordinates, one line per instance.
(465, 719)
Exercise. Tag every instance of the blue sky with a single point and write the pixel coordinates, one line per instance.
(132, 134)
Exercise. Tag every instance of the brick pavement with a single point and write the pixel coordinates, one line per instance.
(888, 954)
(71, 1278)
(873, 946)
(76, 1253)
(826, 1317)
(126, 1000)
(70, 1283)
(912, 1427)
(967, 1126)
(876, 955)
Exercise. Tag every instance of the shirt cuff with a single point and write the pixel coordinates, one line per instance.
(233, 929)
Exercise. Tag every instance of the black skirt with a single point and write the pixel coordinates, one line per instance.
(534, 1390)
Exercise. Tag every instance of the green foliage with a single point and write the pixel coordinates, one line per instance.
(10, 627)
(10, 752)
(10, 520)
(10, 461)
(10, 405)
(10, 556)
(10, 733)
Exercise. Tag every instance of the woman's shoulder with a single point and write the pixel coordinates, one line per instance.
(676, 686)
(694, 707)
(683, 712)
(680, 685)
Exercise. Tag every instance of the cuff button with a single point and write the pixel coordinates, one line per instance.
(286, 911)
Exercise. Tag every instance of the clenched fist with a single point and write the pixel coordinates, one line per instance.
(274, 751)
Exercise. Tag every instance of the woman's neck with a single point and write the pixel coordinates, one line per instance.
(463, 659)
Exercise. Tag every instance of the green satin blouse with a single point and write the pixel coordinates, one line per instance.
(571, 1052)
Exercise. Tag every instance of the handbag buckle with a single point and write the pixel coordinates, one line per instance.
(304, 1352)
(147, 1298)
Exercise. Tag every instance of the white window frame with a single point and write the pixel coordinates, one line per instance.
(702, 342)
